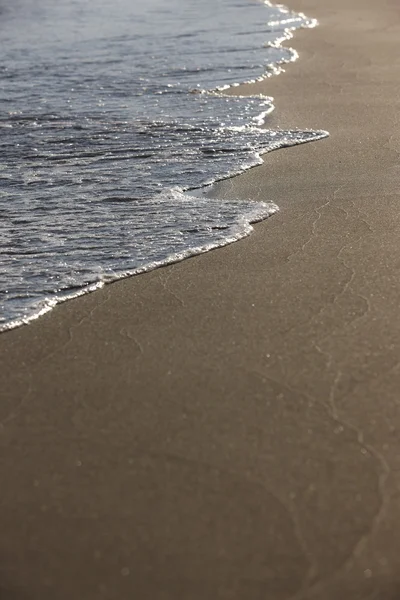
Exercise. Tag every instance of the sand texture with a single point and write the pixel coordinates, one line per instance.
(228, 427)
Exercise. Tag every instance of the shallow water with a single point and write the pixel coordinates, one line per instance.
(105, 126)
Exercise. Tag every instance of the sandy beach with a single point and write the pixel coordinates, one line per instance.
(228, 427)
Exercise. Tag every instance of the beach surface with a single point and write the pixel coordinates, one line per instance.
(228, 427)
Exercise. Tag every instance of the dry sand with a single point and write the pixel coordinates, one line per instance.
(229, 427)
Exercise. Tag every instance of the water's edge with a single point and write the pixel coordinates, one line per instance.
(255, 211)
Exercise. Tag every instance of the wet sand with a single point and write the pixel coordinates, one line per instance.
(227, 427)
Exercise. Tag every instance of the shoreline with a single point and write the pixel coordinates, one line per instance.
(245, 222)
(226, 427)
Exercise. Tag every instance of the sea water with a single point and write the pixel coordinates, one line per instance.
(110, 113)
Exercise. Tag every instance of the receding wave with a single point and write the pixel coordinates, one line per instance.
(112, 121)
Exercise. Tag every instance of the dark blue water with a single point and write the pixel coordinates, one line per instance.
(107, 122)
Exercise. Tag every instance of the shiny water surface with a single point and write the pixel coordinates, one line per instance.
(105, 126)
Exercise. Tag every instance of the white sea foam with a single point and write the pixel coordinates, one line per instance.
(102, 138)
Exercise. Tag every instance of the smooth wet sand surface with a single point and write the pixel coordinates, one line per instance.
(229, 427)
